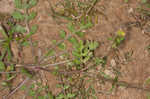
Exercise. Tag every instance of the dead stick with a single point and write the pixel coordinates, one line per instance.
(19, 86)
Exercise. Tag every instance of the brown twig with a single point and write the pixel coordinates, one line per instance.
(19, 86)
(41, 65)
(54, 56)
(9, 72)
(123, 83)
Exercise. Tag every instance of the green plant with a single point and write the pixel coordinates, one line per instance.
(126, 1)
(146, 83)
(143, 1)
(120, 36)
(36, 90)
(75, 61)
(143, 8)
(16, 30)
(76, 11)
(81, 55)
(25, 17)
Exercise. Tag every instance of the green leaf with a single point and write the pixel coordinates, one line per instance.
(85, 52)
(25, 6)
(3, 32)
(62, 34)
(18, 15)
(32, 3)
(110, 38)
(76, 54)
(86, 59)
(93, 45)
(3, 54)
(148, 6)
(2, 66)
(11, 77)
(71, 27)
(20, 29)
(25, 43)
(126, 1)
(11, 67)
(31, 16)
(62, 46)
(86, 26)
(77, 61)
(73, 40)
(70, 95)
(60, 96)
(101, 61)
(40, 97)
(26, 72)
(148, 96)
(80, 34)
(23, 87)
(32, 93)
(143, 1)
(66, 87)
(18, 4)
(105, 75)
(5, 84)
(50, 53)
(80, 46)
(33, 29)
(54, 42)
(50, 95)
(9, 53)
(147, 81)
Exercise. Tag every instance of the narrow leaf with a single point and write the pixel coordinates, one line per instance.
(18, 15)
(18, 4)
(2, 66)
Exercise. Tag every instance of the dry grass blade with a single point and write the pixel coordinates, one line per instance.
(19, 86)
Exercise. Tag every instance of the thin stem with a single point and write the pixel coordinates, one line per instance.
(9, 72)
(45, 65)
(54, 56)
(19, 86)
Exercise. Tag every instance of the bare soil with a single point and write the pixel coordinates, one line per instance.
(118, 14)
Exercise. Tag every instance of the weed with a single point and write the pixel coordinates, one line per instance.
(82, 53)
(79, 68)
(18, 31)
(126, 1)
(118, 39)
(36, 90)
(76, 11)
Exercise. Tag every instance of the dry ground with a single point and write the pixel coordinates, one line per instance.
(118, 14)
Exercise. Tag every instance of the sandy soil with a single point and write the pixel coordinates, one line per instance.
(118, 13)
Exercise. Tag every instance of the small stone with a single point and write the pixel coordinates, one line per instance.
(130, 10)
(113, 63)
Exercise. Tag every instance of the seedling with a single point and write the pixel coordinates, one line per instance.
(120, 37)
